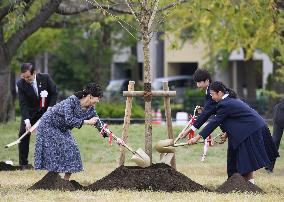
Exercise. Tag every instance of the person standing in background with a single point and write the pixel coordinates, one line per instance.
(278, 127)
(36, 92)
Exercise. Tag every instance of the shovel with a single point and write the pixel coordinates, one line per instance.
(22, 136)
(139, 156)
(167, 148)
(168, 145)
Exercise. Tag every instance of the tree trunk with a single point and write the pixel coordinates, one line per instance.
(251, 80)
(148, 96)
(135, 70)
(6, 104)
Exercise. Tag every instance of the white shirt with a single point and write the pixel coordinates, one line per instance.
(34, 85)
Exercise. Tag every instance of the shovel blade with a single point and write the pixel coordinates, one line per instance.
(167, 158)
(165, 146)
(141, 158)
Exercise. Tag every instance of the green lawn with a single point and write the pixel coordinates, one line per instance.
(100, 159)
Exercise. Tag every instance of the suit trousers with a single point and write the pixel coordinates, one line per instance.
(24, 145)
(277, 135)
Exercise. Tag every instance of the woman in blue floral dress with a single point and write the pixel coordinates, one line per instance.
(56, 150)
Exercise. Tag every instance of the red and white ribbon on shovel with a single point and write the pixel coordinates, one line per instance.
(109, 133)
(192, 121)
(43, 95)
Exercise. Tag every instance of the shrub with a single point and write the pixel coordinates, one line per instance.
(117, 110)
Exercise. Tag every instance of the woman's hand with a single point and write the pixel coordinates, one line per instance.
(194, 140)
(120, 141)
(183, 134)
(91, 121)
(223, 138)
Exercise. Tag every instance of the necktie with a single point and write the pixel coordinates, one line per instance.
(35, 88)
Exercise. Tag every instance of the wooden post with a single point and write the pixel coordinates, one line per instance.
(168, 112)
(148, 117)
(127, 115)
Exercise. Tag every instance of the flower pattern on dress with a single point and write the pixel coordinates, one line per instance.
(56, 149)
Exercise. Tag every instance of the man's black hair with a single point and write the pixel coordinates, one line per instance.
(27, 67)
(201, 75)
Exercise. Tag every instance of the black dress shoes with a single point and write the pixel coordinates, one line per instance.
(27, 167)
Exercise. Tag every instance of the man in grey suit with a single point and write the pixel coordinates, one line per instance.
(36, 92)
(278, 127)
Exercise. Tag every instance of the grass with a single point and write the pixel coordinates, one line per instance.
(100, 159)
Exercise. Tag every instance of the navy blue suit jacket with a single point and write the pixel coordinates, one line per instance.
(237, 119)
(209, 109)
(29, 102)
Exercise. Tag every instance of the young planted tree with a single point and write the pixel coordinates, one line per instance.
(145, 14)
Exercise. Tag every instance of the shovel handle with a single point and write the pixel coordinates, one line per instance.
(126, 146)
(185, 143)
(23, 135)
(180, 144)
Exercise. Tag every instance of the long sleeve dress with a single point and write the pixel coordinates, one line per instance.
(56, 149)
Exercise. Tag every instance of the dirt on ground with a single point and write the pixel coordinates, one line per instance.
(53, 181)
(7, 167)
(237, 183)
(157, 177)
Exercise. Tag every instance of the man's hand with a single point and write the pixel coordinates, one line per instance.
(194, 140)
(223, 138)
(200, 110)
(28, 126)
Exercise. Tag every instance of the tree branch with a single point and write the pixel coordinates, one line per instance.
(65, 9)
(67, 24)
(132, 11)
(172, 5)
(5, 10)
(155, 8)
(31, 26)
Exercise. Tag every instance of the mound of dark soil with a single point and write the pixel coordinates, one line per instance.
(8, 167)
(238, 183)
(157, 177)
(53, 181)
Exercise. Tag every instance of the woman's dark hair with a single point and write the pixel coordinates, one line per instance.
(201, 75)
(93, 89)
(27, 67)
(219, 86)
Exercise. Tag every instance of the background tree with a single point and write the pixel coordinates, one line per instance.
(18, 21)
(228, 25)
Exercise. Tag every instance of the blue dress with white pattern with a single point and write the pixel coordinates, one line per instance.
(56, 149)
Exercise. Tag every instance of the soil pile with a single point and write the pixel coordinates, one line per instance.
(238, 183)
(8, 167)
(53, 181)
(157, 177)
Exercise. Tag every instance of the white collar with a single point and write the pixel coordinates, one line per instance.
(206, 90)
(34, 81)
(224, 96)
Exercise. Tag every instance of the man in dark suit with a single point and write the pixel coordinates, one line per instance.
(37, 92)
(278, 127)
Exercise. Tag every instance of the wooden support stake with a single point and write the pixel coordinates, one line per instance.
(127, 115)
(153, 93)
(168, 112)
